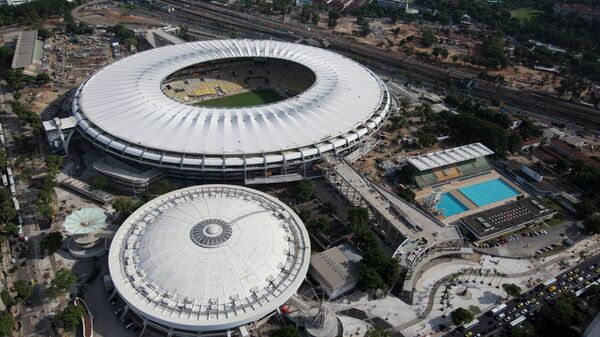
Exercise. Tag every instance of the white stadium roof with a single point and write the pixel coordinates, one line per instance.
(455, 155)
(123, 109)
(209, 258)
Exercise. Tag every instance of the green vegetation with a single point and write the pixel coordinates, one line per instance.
(100, 182)
(559, 319)
(511, 289)
(62, 282)
(45, 197)
(23, 290)
(524, 14)
(305, 191)
(35, 12)
(162, 186)
(123, 34)
(7, 298)
(7, 208)
(461, 316)
(592, 223)
(124, 207)
(377, 270)
(428, 38)
(251, 98)
(52, 242)
(28, 117)
(70, 316)
(6, 56)
(7, 324)
(377, 332)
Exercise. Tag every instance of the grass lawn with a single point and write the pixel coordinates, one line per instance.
(258, 97)
(524, 14)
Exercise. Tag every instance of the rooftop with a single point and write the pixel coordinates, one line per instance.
(337, 265)
(501, 218)
(451, 156)
(210, 257)
(25, 49)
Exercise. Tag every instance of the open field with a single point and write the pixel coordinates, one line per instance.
(258, 97)
(524, 14)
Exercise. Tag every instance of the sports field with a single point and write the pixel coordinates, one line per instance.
(258, 97)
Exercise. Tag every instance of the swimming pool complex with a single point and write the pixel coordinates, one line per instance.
(480, 194)
(488, 192)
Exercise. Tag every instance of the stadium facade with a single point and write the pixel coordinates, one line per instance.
(125, 110)
(210, 260)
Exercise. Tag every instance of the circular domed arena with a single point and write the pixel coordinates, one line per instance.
(213, 260)
(231, 109)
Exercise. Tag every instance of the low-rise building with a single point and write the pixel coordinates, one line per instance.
(125, 177)
(507, 218)
(336, 269)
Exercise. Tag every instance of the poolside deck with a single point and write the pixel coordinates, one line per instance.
(453, 189)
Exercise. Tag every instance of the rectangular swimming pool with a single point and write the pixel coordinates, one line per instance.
(488, 192)
(449, 205)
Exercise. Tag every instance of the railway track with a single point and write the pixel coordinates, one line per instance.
(540, 105)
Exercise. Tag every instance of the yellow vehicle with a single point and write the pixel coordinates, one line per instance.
(552, 288)
(520, 305)
(469, 334)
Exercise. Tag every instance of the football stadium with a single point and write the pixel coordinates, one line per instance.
(253, 110)
(210, 260)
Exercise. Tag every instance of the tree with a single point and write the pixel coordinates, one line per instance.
(377, 332)
(407, 194)
(70, 316)
(52, 242)
(316, 18)
(305, 190)
(586, 207)
(332, 18)
(100, 182)
(365, 28)
(123, 207)
(43, 78)
(511, 289)
(286, 331)
(23, 290)
(592, 224)
(63, 281)
(7, 324)
(162, 186)
(524, 330)
(428, 38)
(11, 229)
(6, 56)
(43, 33)
(461, 316)
(53, 163)
(6, 298)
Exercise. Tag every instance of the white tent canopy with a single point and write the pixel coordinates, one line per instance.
(85, 221)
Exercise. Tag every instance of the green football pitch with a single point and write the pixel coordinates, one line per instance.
(258, 97)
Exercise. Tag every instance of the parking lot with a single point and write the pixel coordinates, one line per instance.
(527, 245)
(496, 323)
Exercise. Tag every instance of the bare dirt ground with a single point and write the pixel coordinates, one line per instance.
(111, 16)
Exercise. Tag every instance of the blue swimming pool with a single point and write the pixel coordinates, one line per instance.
(488, 192)
(449, 205)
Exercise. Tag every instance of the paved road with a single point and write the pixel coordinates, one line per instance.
(528, 304)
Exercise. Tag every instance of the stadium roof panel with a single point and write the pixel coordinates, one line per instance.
(451, 156)
(209, 257)
(124, 103)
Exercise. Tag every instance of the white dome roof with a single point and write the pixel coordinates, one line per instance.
(123, 108)
(209, 257)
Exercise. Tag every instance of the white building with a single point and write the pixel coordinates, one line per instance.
(336, 269)
(215, 259)
(123, 110)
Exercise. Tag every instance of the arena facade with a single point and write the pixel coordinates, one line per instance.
(251, 110)
(210, 260)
